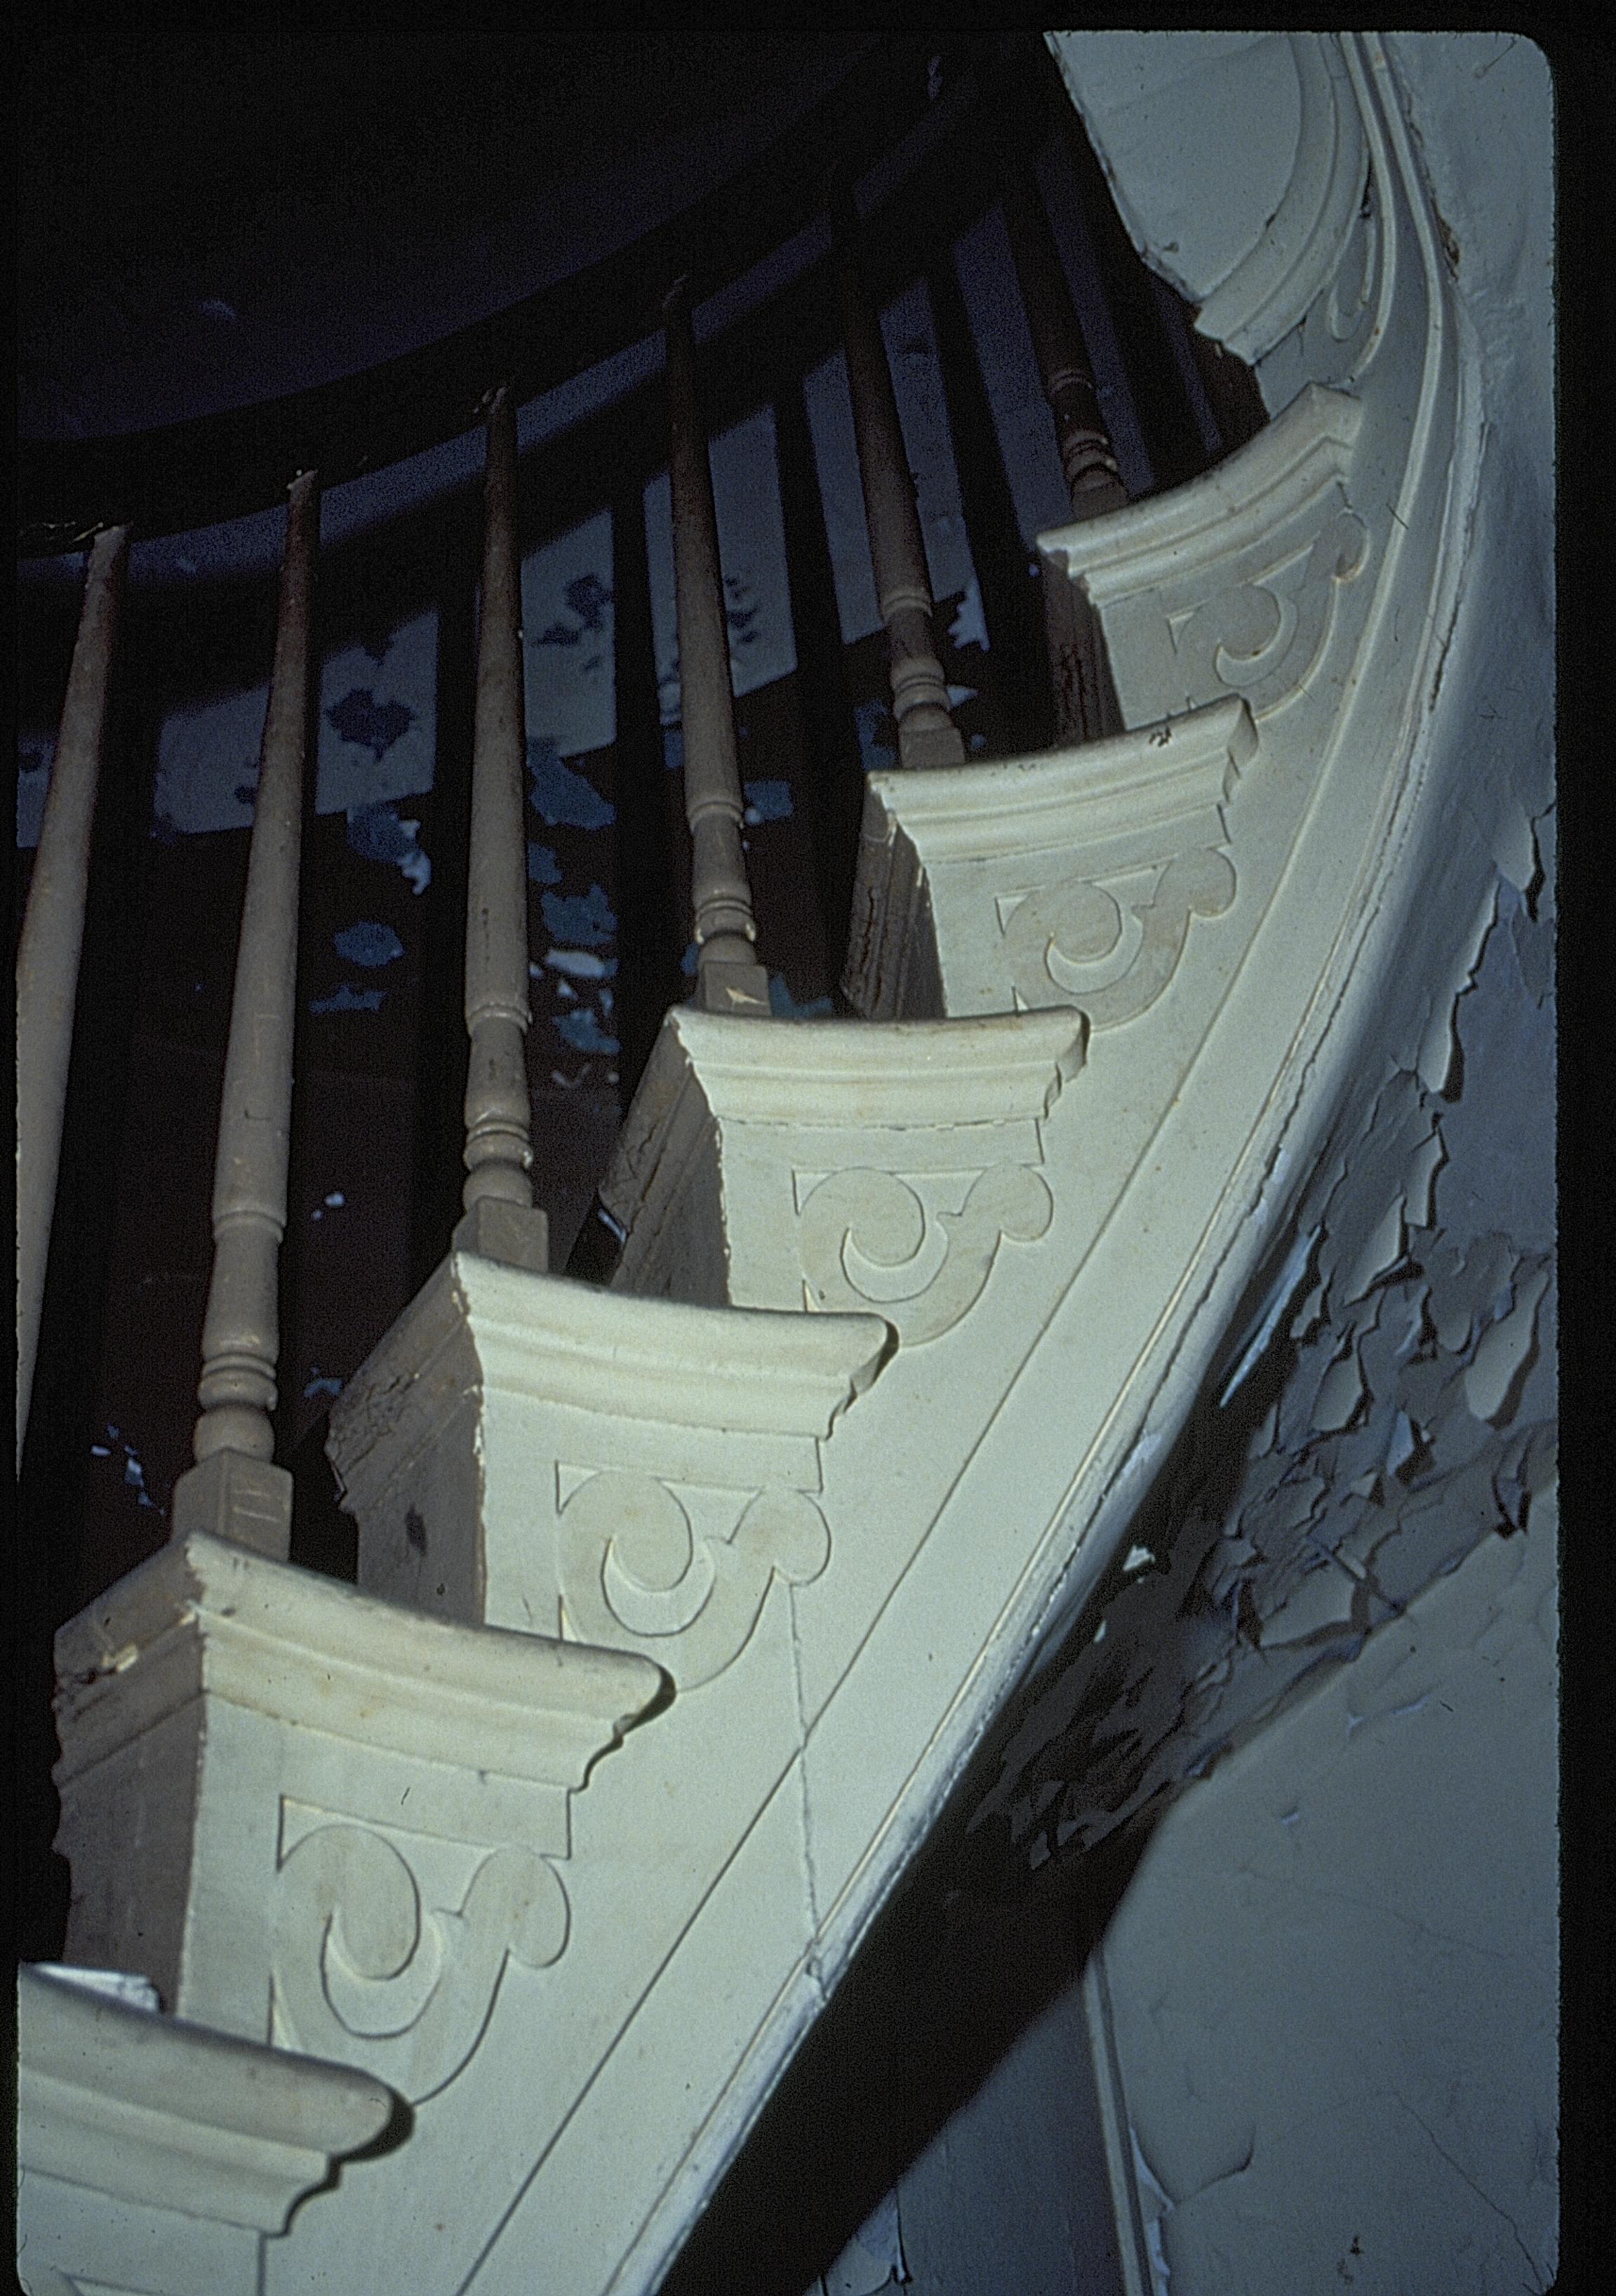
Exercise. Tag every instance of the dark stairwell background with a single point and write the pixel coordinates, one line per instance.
(211, 221)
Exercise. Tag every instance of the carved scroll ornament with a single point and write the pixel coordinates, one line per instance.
(1112, 949)
(636, 1575)
(1264, 636)
(869, 1239)
(367, 1972)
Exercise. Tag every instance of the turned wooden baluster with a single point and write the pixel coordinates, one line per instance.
(235, 1490)
(1087, 458)
(499, 1220)
(53, 936)
(927, 735)
(729, 978)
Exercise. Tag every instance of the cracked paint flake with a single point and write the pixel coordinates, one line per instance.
(1414, 1412)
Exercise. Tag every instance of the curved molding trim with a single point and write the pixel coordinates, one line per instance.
(1090, 794)
(573, 1345)
(1272, 289)
(146, 2108)
(308, 1651)
(901, 1075)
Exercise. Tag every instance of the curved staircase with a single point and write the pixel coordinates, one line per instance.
(683, 1600)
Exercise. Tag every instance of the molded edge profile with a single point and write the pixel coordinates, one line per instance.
(607, 1353)
(1286, 465)
(1093, 792)
(754, 1370)
(203, 1616)
(1270, 290)
(147, 2108)
(891, 1076)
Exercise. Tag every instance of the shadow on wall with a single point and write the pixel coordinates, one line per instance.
(943, 1987)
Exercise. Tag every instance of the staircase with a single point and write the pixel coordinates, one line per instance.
(684, 1598)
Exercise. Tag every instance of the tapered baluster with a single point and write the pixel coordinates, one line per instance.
(1087, 455)
(235, 1490)
(729, 978)
(499, 1220)
(927, 735)
(53, 936)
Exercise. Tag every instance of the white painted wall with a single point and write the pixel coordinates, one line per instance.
(1334, 1977)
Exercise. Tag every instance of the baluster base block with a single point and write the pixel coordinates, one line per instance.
(921, 748)
(518, 1236)
(230, 1495)
(725, 986)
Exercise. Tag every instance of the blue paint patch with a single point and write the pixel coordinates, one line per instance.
(690, 961)
(969, 626)
(740, 618)
(376, 833)
(588, 598)
(371, 725)
(320, 1385)
(562, 797)
(587, 919)
(349, 999)
(543, 867)
(582, 963)
(584, 1032)
(133, 1472)
(877, 736)
(368, 943)
(673, 747)
(767, 801)
(784, 1006)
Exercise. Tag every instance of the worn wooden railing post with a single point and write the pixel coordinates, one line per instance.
(1085, 703)
(1087, 458)
(927, 735)
(729, 978)
(235, 1490)
(499, 1220)
(53, 936)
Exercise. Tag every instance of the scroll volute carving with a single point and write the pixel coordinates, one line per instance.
(370, 1970)
(1132, 933)
(636, 1575)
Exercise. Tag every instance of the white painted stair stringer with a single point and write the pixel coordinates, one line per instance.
(842, 1549)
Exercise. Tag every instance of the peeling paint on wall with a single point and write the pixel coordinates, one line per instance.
(1390, 1402)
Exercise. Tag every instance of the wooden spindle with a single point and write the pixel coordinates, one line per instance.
(1087, 458)
(499, 1220)
(52, 937)
(235, 1490)
(729, 978)
(927, 735)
